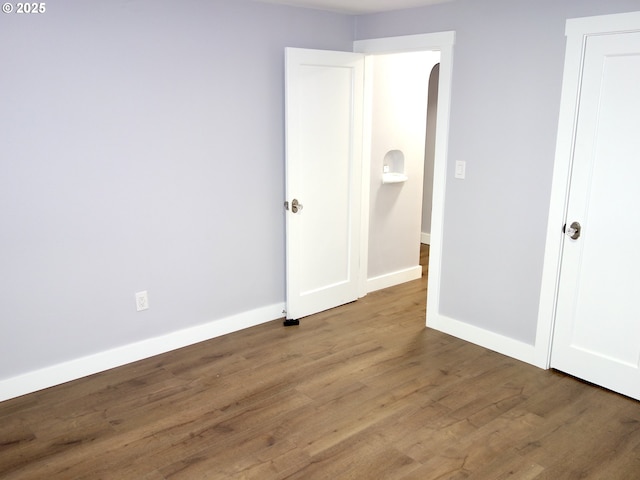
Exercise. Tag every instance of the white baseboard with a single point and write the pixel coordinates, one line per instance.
(485, 338)
(99, 362)
(394, 278)
(425, 238)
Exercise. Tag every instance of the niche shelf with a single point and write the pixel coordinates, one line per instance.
(393, 167)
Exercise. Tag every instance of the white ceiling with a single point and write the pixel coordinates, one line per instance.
(357, 6)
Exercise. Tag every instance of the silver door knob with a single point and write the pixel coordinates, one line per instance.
(295, 206)
(573, 230)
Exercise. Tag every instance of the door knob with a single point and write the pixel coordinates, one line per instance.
(573, 231)
(295, 206)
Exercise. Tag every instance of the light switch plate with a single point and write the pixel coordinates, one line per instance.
(461, 169)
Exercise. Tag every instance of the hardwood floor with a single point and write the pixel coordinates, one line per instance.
(362, 391)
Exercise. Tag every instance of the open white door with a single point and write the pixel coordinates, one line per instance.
(597, 330)
(324, 115)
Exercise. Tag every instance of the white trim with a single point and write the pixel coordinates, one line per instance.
(439, 181)
(599, 24)
(365, 201)
(395, 278)
(442, 42)
(577, 30)
(116, 357)
(405, 43)
(425, 238)
(485, 338)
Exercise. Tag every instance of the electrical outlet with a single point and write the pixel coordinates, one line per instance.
(142, 301)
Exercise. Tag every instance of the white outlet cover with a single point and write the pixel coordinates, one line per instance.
(461, 169)
(142, 301)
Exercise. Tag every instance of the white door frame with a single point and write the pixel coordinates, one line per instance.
(442, 42)
(577, 30)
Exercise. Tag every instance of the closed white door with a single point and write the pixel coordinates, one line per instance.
(597, 329)
(324, 110)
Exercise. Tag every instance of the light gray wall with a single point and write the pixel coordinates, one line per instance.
(399, 108)
(507, 74)
(141, 148)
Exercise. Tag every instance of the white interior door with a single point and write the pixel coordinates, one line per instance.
(324, 110)
(597, 329)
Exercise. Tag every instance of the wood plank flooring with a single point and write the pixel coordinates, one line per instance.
(362, 391)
